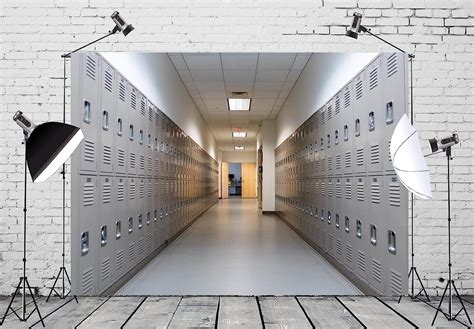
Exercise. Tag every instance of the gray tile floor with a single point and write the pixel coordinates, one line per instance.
(234, 250)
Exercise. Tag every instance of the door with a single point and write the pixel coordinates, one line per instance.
(225, 180)
(248, 180)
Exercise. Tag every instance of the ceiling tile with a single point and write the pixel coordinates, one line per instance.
(239, 75)
(185, 75)
(294, 75)
(207, 75)
(203, 61)
(239, 61)
(268, 86)
(300, 61)
(272, 75)
(271, 61)
(178, 62)
(265, 94)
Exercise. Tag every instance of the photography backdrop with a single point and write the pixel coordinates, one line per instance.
(35, 34)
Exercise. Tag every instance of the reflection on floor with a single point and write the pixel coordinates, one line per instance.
(234, 250)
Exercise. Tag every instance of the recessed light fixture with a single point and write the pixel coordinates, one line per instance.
(239, 134)
(239, 148)
(239, 104)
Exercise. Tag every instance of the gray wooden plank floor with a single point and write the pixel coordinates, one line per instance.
(196, 312)
(282, 312)
(328, 313)
(231, 312)
(238, 312)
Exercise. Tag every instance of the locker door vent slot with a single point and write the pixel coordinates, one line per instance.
(131, 253)
(347, 159)
(106, 193)
(338, 190)
(389, 155)
(330, 242)
(141, 190)
(359, 89)
(107, 155)
(132, 191)
(376, 270)
(392, 243)
(149, 242)
(349, 253)
(338, 162)
(105, 269)
(88, 194)
(339, 247)
(392, 65)
(120, 192)
(122, 90)
(108, 80)
(119, 259)
(142, 107)
(89, 151)
(329, 112)
(360, 157)
(348, 193)
(395, 283)
(394, 195)
(87, 281)
(360, 191)
(347, 99)
(361, 261)
(91, 65)
(142, 162)
(330, 188)
(373, 78)
(375, 192)
(374, 154)
(337, 105)
(140, 246)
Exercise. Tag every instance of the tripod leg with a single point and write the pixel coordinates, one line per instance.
(54, 285)
(409, 273)
(422, 286)
(34, 301)
(462, 304)
(67, 275)
(440, 302)
(11, 301)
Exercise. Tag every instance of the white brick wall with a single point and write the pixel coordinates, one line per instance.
(33, 35)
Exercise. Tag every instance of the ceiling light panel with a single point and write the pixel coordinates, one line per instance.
(239, 148)
(239, 134)
(239, 104)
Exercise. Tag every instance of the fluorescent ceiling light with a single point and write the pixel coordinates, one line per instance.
(239, 134)
(239, 104)
(239, 148)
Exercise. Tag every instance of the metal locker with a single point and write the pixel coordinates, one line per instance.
(140, 237)
(141, 144)
(132, 130)
(360, 123)
(118, 232)
(321, 213)
(104, 233)
(322, 142)
(121, 123)
(130, 229)
(345, 126)
(329, 216)
(336, 213)
(85, 111)
(393, 73)
(85, 246)
(107, 116)
(150, 141)
(375, 203)
(157, 146)
(158, 224)
(330, 138)
(376, 116)
(347, 223)
(148, 220)
(361, 227)
(396, 250)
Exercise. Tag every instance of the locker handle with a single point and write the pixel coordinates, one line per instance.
(392, 243)
(359, 229)
(337, 221)
(118, 230)
(87, 112)
(346, 226)
(103, 235)
(130, 225)
(373, 234)
(84, 243)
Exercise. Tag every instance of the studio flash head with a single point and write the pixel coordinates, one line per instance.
(443, 143)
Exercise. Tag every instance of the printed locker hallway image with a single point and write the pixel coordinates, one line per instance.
(151, 208)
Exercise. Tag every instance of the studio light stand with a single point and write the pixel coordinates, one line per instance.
(120, 26)
(23, 285)
(450, 286)
(353, 32)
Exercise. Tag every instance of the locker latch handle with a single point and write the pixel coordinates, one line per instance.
(373, 234)
(392, 243)
(103, 235)
(84, 243)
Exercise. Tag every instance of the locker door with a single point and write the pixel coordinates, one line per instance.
(121, 124)
(396, 251)
(141, 218)
(347, 224)
(156, 160)
(132, 131)
(346, 128)
(376, 212)
(329, 216)
(86, 109)
(104, 234)
(157, 235)
(87, 278)
(150, 141)
(131, 226)
(376, 117)
(393, 73)
(149, 215)
(361, 236)
(329, 141)
(142, 134)
(360, 124)
(118, 232)
(322, 209)
(107, 117)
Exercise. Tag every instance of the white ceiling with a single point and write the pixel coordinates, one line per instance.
(211, 78)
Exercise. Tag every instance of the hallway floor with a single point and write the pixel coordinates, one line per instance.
(234, 250)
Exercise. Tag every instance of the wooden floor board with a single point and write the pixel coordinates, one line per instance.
(373, 313)
(282, 312)
(327, 312)
(195, 312)
(239, 312)
(155, 312)
(113, 313)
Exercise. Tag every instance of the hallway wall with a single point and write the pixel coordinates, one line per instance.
(35, 34)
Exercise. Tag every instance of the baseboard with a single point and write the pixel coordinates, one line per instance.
(110, 291)
(269, 212)
(361, 285)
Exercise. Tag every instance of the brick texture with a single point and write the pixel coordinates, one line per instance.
(34, 34)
